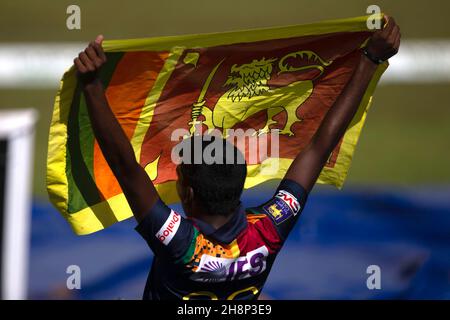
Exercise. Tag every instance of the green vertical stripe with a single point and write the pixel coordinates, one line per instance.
(190, 250)
(80, 145)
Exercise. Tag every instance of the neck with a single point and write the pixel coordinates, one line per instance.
(215, 221)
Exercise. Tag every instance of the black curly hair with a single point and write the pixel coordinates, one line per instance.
(217, 184)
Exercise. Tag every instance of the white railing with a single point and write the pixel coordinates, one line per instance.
(41, 65)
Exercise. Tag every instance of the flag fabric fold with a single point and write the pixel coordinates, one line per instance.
(280, 80)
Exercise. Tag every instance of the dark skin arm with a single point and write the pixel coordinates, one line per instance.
(306, 167)
(116, 148)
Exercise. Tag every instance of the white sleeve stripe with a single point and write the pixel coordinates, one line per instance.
(170, 228)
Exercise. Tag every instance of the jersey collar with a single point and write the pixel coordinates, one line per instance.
(229, 231)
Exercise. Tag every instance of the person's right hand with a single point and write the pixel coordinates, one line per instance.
(385, 43)
(89, 62)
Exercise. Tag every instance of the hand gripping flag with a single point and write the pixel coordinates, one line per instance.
(282, 79)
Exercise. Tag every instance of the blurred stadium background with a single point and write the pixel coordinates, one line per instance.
(393, 212)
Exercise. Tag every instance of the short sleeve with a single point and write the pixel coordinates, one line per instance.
(167, 233)
(284, 207)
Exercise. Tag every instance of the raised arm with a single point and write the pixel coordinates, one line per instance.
(308, 164)
(116, 148)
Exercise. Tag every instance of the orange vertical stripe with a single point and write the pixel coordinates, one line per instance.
(127, 91)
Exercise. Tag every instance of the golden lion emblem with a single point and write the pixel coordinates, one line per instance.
(250, 93)
(275, 212)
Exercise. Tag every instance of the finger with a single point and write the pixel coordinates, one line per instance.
(392, 21)
(397, 30)
(92, 54)
(389, 33)
(394, 33)
(99, 39)
(86, 61)
(385, 20)
(79, 65)
(388, 26)
(99, 50)
(397, 42)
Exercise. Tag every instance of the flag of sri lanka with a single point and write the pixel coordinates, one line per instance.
(281, 80)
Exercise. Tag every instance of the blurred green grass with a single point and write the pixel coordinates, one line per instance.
(406, 138)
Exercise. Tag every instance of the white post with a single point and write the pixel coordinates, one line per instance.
(17, 130)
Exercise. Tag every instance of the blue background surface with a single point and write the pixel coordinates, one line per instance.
(406, 232)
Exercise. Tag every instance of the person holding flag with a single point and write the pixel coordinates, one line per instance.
(220, 250)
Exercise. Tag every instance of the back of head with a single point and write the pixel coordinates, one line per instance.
(215, 170)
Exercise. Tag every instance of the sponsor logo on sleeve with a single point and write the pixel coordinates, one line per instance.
(169, 229)
(282, 207)
(290, 200)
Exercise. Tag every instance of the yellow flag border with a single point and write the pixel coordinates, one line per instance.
(86, 221)
(234, 37)
(56, 179)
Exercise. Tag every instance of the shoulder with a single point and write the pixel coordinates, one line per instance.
(260, 229)
(282, 210)
(167, 232)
